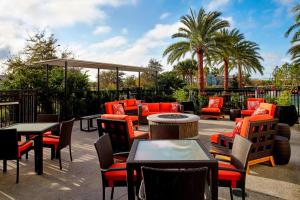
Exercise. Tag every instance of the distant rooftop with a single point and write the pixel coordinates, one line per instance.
(93, 65)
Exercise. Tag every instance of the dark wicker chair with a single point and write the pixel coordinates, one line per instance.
(11, 149)
(112, 174)
(118, 133)
(233, 174)
(175, 184)
(49, 118)
(164, 131)
(57, 143)
(188, 107)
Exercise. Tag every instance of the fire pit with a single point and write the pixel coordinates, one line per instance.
(188, 123)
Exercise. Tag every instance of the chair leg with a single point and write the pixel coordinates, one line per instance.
(112, 192)
(26, 155)
(70, 149)
(4, 165)
(103, 192)
(53, 153)
(243, 193)
(59, 158)
(231, 195)
(17, 180)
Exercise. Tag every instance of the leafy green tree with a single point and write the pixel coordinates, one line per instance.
(187, 69)
(130, 82)
(295, 41)
(199, 37)
(108, 79)
(169, 82)
(22, 73)
(288, 75)
(148, 78)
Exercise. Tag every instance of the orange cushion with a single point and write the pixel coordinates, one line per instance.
(224, 175)
(215, 138)
(261, 100)
(133, 117)
(213, 103)
(153, 107)
(22, 146)
(247, 112)
(131, 102)
(122, 117)
(260, 111)
(108, 107)
(119, 175)
(174, 107)
(218, 99)
(270, 107)
(118, 109)
(238, 127)
(252, 105)
(51, 141)
(125, 102)
(212, 110)
(151, 113)
(145, 110)
(131, 108)
(164, 107)
(247, 120)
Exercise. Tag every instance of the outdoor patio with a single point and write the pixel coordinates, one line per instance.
(80, 179)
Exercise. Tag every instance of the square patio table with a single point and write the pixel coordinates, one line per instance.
(187, 153)
(35, 129)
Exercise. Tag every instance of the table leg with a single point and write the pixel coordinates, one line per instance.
(81, 125)
(130, 186)
(214, 182)
(38, 155)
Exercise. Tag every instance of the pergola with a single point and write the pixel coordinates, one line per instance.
(65, 63)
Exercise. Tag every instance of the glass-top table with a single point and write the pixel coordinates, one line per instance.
(170, 150)
(36, 129)
(186, 153)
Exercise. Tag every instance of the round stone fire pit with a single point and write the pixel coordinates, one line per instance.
(188, 123)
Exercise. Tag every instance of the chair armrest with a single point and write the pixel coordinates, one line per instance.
(121, 154)
(113, 169)
(214, 153)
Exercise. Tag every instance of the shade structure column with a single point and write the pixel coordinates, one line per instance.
(98, 91)
(139, 89)
(65, 110)
(117, 83)
(47, 108)
(156, 83)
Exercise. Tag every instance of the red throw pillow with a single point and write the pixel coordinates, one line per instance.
(260, 111)
(174, 107)
(253, 105)
(213, 103)
(118, 109)
(238, 127)
(145, 110)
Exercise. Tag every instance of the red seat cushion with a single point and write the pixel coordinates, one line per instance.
(51, 141)
(131, 108)
(211, 110)
(119, 175)
(23, 146)
(133, 117)
(215, 137)
(247, 112)
(225, 175)
(151, 113)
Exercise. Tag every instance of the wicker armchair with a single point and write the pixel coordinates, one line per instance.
(214, 108)
(175, 184)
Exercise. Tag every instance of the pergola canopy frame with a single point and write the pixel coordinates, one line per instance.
(65, 63)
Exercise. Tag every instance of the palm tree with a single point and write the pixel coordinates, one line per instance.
(246, 59)
(187, 69)
(225, 51)
(295, 49)
(199, 34)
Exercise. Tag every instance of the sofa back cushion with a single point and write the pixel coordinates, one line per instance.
(270, 107)
(215, 102)
(253, 103)
(153, 107)
(165, 107)
(174, 107)
(247, 120)
(131, 102)
(109, 108)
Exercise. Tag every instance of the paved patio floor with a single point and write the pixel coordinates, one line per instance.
(80, 179)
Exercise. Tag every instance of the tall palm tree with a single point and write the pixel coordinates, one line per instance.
(225, 51)
(199, 37)
(246, 59)
(187, 69)
(295, 49)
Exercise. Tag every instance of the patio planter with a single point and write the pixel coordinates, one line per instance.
(287, 114)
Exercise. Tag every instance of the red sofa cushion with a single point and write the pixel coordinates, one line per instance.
(108, 107)
(131, 108)
(153, 107)
(224, 175)
(252, 105)
(165, 107)
(131, 102)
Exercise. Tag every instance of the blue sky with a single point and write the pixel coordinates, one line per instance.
(133, 31)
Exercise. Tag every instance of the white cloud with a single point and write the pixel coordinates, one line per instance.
(102, 30)
(215, 4)
(164, 15)
(124, 31)
(271, 60)
(230, 20)
(19, 18)
(113, 42)
(285, 2)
